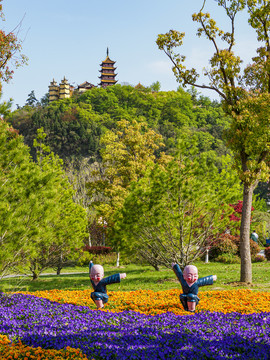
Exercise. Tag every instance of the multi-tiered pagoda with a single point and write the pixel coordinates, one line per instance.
(107, 76)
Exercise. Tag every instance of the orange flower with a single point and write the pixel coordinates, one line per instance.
(152, 303)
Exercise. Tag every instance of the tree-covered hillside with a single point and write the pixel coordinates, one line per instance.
(74, 125)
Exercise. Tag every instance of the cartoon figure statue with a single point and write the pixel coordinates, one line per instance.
(96, 274)
(190, 285)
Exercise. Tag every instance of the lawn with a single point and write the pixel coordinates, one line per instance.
(144, 278)
(143, 319)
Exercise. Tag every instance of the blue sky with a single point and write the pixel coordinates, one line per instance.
(69, 38)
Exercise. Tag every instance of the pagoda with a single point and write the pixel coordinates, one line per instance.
(53, 91)
(64, 89)
(107, 76)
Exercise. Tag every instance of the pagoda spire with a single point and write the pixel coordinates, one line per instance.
(107, 52)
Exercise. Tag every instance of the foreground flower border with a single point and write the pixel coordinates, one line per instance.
(154, 331)
(20, 351)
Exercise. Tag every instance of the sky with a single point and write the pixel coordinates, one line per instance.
(67, 38)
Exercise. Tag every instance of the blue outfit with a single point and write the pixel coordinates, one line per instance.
(190, 292)
(100, 291)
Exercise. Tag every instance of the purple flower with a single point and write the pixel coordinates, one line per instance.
(131, 335)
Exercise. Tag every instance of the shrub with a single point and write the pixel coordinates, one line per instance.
(84, 259)
(229, 244)
(259, 258)
(228, 259)
(97, 249)
(107, 259)
(224, 244)
(254, 247)
(267, 253)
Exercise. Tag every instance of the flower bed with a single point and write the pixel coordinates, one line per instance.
(210, 333)
(153, 303)
(20, 351)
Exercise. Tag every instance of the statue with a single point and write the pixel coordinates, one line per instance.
(190, 285)
(99, 283)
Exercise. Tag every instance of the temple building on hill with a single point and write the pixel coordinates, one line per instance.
(62, 91)
(85, 86)
(107, 75)
(65, 90)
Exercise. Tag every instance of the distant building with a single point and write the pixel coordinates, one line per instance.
(107, 74)
(53, 91)
(85, 86)
(62, 91)
(65, 90)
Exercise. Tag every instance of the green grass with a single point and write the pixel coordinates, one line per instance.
(143, 277)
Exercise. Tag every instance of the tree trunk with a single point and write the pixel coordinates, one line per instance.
(246, 267)
(33, 268)
(59, 266)
(34, 275)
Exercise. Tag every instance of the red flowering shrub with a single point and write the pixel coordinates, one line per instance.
(267, 253)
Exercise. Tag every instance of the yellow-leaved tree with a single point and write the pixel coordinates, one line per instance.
(128, 150)
(244, 91)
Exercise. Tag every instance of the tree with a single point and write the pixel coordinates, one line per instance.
(31, 99)
(172, 213)
(37, 213)
(66, 221)
(244, 94)
(10, 52)
(15, 230)
(44, 101)
(155, 86)
(128, 151)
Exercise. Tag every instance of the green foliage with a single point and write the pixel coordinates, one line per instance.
(17, 186)
(86, 257)
(228, 258)
(245, 93)
(5, 107)
(155, 86)
(31, 99)
(144, 278)
(171, 212)
(249, 139)
(224, 244)
(227, 246)
(72, 130)
(67, 220)
(259, 258)
(74, 126)
(38, 217)
(128, 152)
